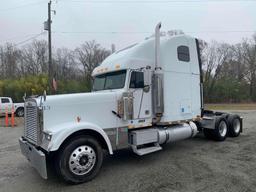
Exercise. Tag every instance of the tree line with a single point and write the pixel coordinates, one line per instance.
(25, 69)
(229, 70)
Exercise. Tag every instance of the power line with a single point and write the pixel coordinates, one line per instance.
(154, 1)
(21, 6)
(144, 32)
(249, 31)
(20, 37)
(29, 39)
(141, 1)
(34, 36)
(97, 32)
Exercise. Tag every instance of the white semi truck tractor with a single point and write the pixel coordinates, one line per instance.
(143, 97)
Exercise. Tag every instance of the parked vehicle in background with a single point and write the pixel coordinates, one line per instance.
(140, 100)
(7, 103)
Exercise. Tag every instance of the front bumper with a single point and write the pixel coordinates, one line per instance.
(36, 157)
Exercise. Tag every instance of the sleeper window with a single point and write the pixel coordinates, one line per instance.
(183, 53)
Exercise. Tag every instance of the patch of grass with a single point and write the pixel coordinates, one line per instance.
(231, 106)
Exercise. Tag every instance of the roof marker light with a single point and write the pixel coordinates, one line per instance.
(118, 66)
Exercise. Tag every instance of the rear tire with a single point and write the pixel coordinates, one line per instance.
(219, 133)
(234, 125)
(221, 129)
(80, 160)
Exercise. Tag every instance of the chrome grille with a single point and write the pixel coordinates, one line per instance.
(32, 130)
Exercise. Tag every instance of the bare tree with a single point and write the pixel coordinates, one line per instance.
(9, 61)
(238, 67)
(90, 55)
(2, 62)
(249, 55)
(41, 49)
(66, 64)
(213, 57)
(34, 58)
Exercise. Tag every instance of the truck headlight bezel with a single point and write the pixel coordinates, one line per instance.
(47, 135)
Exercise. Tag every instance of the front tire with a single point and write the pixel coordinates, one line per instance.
(20, 112)
(79, 160)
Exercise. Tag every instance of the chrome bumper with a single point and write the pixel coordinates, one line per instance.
(35, 157)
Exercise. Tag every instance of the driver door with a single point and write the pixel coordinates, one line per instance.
(142, 104)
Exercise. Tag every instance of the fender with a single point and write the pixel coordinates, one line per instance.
(62, 131)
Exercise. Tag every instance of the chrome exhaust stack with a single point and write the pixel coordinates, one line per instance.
(157, 46)
(157, 81)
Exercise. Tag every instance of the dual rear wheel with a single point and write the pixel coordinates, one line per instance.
(235, 125)
(224, 127)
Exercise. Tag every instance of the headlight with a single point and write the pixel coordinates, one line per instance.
(47, 135)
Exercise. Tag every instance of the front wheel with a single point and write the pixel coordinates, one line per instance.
(79, 160)
(20, 112)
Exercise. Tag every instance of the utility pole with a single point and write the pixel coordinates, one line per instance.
(48, 28)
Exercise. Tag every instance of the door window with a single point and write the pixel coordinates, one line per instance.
(137, 80)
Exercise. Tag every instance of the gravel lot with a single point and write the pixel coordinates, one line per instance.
(192, 165)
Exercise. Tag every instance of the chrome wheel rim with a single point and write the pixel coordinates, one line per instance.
(82, 160)
(237, 125)
(223, 128)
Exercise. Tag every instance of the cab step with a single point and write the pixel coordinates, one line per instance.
(146, 150)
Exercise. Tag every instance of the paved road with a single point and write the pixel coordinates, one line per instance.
(192, 165)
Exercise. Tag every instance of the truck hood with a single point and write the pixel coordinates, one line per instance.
(95, 108)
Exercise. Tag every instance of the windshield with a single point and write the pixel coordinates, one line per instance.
(114, 80)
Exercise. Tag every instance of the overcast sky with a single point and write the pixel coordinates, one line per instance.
(77, 21)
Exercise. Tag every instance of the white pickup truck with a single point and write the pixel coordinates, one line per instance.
(6, 102)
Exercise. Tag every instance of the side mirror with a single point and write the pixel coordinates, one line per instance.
(146, 88)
